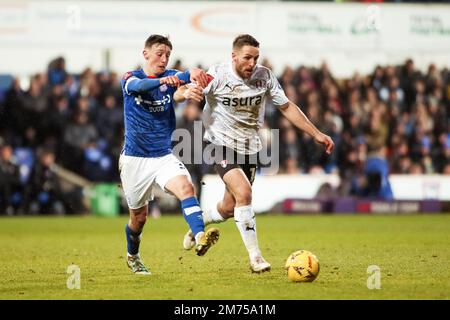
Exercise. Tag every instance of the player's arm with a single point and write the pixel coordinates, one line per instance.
(193, 90)
(136, 85)
(190, 91)
(197, 76)
(293, 113)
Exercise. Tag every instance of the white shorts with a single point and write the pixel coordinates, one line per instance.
(139, 174)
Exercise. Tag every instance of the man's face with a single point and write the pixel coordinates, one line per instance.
(157, 57)
(6, 153)
(244, 60)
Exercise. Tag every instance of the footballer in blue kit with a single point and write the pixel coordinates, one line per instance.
(147, 158)
(149, 114)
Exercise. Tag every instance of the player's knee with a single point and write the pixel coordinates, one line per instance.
(186, 190)
(139, 217)
(244, 195)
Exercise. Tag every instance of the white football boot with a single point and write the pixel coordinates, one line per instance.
(136, 265)
(189, 240)
(258, 264)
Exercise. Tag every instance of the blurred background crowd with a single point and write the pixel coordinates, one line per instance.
(396, 113)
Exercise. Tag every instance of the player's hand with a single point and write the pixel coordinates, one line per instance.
(173, 81)
(194, 92)
(326, 141)
(199, 77)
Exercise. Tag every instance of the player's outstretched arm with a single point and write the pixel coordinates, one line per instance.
(143, 85)
(293, 113)
(137, 85)
(173, 81)
(189, 91)
(196, 76)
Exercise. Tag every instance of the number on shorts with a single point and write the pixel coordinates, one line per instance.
(252, 174)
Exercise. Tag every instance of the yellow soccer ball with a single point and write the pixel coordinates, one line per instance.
(302, 266)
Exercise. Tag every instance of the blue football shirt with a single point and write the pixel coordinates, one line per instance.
(149, 117)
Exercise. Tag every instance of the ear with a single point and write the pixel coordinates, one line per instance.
(233, 55)
(145, 54)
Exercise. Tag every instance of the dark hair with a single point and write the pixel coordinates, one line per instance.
(245, 40)
(156, 38)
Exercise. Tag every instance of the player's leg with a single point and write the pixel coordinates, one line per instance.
(133, 231)
(224, 209)
(138, 218)
(224, 161)
(240, 187)
(137, 179)
(220, 212)
(174, 178)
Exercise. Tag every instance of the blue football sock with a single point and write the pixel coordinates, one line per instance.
(133, 240)
(193, 214)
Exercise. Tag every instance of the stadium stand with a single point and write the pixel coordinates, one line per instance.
(79, 118)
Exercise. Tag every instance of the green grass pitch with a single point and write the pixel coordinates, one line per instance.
(412, 252)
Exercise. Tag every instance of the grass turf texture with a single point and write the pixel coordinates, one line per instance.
(413, 253)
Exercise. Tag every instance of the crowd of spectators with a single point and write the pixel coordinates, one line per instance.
(396, 112)
(73, 120)
(76, 121)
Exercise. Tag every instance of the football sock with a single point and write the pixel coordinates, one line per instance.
(193, 215)
(212, 216)
(246, 223)
(133, 240)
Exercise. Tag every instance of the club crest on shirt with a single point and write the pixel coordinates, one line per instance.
(163, 88)
(258, 83)
(127, 75)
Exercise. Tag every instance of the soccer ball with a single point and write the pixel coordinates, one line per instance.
(302, 266)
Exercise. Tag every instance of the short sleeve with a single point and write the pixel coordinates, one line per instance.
(275, 91)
